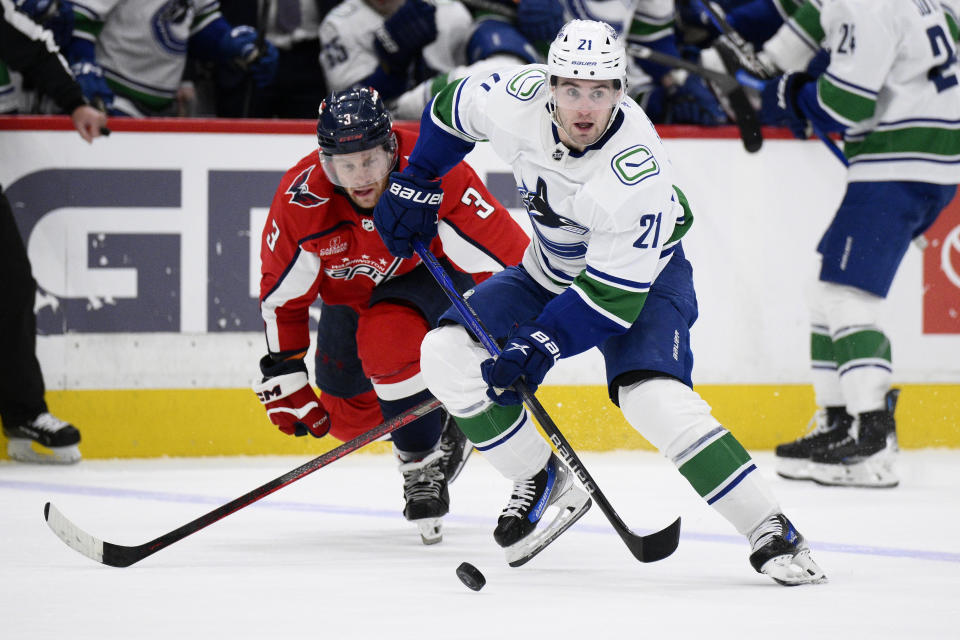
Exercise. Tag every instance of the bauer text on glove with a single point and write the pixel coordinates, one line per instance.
(528, 354)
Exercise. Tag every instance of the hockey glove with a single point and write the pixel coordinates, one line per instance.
(412, 27)
(89, 76)
(239, 45)
(690, 101)
(528, 354)
(407, 209)
(779, 103)
(539, 20)
(290, 401)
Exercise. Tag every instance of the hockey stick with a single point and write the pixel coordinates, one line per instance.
(745, 53)
(249, 87)
(648, 548)
(116, 555)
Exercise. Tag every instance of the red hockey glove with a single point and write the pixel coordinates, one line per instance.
(290, 401)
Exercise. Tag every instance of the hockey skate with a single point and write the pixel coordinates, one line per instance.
(831, 425)
(517, 530)
(46, 439)
(456, 449)
(779, 551)
(866, 457)
(425, 492)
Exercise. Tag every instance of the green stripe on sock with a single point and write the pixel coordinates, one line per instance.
(861, 345)
(712, 466)
(821, 348)
(489, 424)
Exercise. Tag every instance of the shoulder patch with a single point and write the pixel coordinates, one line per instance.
(300, 194)
(526, 84)
(634, 164)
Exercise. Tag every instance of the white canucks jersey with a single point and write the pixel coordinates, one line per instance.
(894, 80)
(346, 35)
(605, 220)
(142, 44)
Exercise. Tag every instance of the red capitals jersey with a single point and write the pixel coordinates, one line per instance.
(316, 244)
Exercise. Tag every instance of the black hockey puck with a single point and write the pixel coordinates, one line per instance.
(471, 576)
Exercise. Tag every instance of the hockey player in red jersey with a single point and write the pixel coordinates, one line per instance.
(319, 241)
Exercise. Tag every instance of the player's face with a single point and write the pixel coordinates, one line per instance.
(362, 174)
(584, 108)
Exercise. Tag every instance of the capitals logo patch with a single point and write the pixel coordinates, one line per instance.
(634, 165)
(300, 194)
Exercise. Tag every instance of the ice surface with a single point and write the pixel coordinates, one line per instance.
(330, 556)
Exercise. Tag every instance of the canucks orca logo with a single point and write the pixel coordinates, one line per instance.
(171, 24)
(301, 195)
(541, 213)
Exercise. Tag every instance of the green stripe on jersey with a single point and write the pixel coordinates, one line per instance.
(625, 305)
(787, 8)
(807, 19)
(150, 100)
(443, 103)
(85, 24)
(680, 230)
(645, 30)
(929, 141)
(862, 345)
(954, 28)
(714, 464)
(491, 423)
(851, 107)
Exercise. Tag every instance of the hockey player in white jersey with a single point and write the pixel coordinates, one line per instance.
(130, 54)
(891, 88)
(605, 269)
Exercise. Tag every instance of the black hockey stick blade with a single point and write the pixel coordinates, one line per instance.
(116, 555)
(746, 120)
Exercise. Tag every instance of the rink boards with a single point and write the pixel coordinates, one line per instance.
(145, 246)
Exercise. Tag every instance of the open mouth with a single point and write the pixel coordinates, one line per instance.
(583, 127)
(363, 192)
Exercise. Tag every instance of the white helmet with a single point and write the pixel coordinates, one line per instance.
(589, 50)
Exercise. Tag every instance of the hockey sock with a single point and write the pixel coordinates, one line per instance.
(420, 436)
(823, 364)
(722, 473)
(865, 365)
(507, 438)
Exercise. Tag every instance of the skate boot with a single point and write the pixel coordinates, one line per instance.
(778, 550)
(866, 459)
(456, 449)
(831, 425)
(45, 439)
(425, 492)
(517, 530)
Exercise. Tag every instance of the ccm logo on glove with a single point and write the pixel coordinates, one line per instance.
(414, 195)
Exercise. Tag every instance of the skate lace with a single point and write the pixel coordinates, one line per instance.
(521, 498)
(818, 424)
(48, 422)
(765, 532)
(423, 479)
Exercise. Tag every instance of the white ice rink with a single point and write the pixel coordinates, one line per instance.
(331, 557)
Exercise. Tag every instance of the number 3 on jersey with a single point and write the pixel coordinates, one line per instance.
(472, 197)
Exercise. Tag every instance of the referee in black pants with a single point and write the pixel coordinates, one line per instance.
(33, 433)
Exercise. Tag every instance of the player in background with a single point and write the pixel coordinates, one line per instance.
(891, 89)
(319, 242)
(605, 269)
(33, 433)
(409, 50)
(131, 54)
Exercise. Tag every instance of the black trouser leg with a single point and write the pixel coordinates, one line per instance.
(21, 381)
